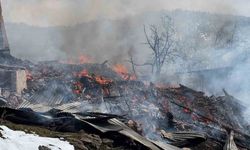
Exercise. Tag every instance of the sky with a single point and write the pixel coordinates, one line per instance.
(70, 12)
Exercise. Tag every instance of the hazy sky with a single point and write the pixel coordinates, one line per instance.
(66, 12)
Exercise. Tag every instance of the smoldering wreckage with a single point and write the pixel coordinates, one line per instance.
(94, 106)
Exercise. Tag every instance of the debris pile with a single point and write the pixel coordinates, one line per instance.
(98, 100)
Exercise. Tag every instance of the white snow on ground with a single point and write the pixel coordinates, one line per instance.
(19, 140)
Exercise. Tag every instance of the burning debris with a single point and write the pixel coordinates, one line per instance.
(123, 72)
(178, 116)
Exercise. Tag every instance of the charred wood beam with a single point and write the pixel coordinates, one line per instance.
(104, 63)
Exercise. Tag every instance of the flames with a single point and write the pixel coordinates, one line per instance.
(98, 79)
(85, 80)
(90, 81)
(123, 72)
(120, 69)
(79, 86)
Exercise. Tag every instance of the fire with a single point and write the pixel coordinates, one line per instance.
(122, 71)
(94, 79)
(99, 79)
(28, 75)
(78, 87)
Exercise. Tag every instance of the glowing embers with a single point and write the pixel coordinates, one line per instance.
(123, 72)
(98, 79)
(28, 75)
(90, 85)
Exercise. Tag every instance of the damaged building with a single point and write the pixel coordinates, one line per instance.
(12, 77)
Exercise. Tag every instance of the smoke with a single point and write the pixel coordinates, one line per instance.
(70, 12)
(104, 30)
(239, 84)
(103, 40)
(109, 29)
(217, 56)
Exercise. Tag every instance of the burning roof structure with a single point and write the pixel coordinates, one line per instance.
(99, 100)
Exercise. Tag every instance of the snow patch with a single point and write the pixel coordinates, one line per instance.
(19, 140)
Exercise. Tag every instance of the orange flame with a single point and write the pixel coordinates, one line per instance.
(99, 79)
(122, 71)
(78, 86)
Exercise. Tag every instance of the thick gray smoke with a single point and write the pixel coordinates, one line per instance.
(70, 12)
(219, 59)
(101, 29)
(107, 30)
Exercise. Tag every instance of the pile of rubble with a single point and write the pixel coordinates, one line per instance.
(152, 116)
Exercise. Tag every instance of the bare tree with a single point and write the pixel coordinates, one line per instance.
(162, 41)
(225, 35)
(131, 60)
